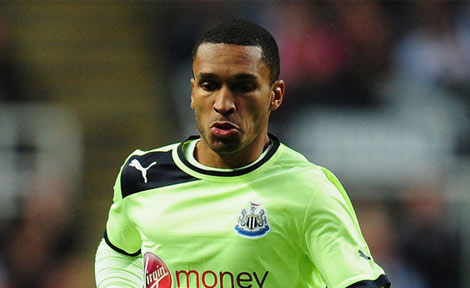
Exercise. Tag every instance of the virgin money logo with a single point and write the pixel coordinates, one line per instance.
(157, 274)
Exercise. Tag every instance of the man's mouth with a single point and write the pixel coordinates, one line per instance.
(223, 129)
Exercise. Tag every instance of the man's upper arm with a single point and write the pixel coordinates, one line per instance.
(335, 242)
(121, 233)
(118, 262)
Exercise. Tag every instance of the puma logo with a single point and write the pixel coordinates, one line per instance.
(136, 164)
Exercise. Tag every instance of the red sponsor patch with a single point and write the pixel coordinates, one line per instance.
(157, 274)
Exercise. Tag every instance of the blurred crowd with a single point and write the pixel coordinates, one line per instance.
(38, 177)
(404, 64)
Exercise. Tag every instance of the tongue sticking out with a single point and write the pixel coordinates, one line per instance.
(223, 130)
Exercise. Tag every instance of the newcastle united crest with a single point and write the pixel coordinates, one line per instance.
(253, 222)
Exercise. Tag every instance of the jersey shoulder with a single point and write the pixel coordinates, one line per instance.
(293, 159)
(145, 170)
(308, 172)
(324, 189)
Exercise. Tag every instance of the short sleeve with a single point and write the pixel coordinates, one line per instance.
(333, 237)
(121, 233)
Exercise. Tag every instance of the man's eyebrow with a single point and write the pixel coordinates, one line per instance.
(206, 75)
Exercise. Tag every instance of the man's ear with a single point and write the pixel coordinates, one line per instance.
(192, 93)
(278, 89)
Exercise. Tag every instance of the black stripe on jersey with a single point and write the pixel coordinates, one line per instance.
(380, 282)
(150, 171)
(231, 173)
(106, 239)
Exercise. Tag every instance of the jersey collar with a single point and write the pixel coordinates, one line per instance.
(237, 172)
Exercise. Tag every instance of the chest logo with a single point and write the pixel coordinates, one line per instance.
(136, 164)
(253, 223)
(157, 274)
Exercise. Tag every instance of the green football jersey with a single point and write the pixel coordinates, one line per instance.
(282, 222)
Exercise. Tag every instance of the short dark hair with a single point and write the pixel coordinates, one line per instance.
(246, 33)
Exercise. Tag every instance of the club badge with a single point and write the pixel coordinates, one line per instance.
(253, 223)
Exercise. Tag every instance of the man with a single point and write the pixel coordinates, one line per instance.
(232, 207)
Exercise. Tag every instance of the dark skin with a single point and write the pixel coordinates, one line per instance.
(232, 98)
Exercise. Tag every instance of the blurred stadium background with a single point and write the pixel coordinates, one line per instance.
(376, 91)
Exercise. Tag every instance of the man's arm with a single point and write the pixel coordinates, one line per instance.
(114, 269)
(118, 261)
(335, 242)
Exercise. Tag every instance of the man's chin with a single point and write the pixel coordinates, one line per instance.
(225, 146)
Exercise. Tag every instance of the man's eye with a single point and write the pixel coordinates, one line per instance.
(208, 86)
(245, 87)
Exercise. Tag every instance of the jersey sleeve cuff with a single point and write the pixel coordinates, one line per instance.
(117, 249)
(381, 282)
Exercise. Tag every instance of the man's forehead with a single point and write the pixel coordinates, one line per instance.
(242, 60)
(228, 52)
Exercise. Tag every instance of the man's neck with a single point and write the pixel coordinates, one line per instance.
(249, 154)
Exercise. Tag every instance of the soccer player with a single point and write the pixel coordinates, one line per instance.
(232, 207)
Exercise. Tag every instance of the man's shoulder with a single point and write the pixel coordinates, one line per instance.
(293, 158)
(151, 169)
(163, 149)
(320, 181)
(304, 168)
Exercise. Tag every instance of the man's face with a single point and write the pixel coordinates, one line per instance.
(232, 96)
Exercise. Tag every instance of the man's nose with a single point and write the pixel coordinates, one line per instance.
(224, 101)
